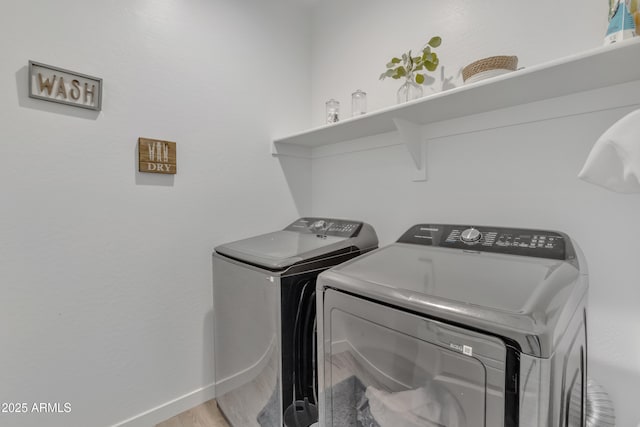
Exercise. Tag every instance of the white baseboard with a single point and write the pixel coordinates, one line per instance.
(167, 410)
(340, 346)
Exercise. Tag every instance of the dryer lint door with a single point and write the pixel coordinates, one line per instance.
(388, 367)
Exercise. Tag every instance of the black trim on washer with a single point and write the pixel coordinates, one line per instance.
(511, 386)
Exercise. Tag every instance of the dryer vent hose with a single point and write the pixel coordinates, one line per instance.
(600, 411)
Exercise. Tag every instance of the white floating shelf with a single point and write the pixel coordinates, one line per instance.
(597, 68)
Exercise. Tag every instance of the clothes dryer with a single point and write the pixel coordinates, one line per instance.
(456, 326)
(265, 319)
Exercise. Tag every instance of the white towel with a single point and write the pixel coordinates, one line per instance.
(428, 406)
(614, 160)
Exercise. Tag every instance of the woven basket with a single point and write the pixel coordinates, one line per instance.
(491, 63)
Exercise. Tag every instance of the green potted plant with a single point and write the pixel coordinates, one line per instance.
(413, 69)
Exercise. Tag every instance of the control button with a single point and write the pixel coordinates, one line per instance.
(320, 227)
(470, 235)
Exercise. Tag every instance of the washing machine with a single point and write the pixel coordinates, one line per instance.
(456, 326)
(265, 318)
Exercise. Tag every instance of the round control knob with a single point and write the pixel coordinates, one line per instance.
(470, 235)
(319, 225)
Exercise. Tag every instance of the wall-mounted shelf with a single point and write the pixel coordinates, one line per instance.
(597, 68)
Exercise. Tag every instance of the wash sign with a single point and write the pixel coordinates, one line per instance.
(63, 86)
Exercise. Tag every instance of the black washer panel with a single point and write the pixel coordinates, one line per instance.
(326, 227)
(512, 241)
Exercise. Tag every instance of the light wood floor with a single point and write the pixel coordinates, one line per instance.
(205, 415)
(344, 365)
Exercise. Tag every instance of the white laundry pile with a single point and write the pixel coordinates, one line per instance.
(423, 407)
(614, 160)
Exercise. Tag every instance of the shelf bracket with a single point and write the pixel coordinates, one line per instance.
(413, 138)
(279, 149)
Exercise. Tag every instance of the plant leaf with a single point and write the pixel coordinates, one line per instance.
(431, 66)
(395, 60)
(401, 72)
(382, 76)
(390, 73)
(390, 65)
(435, 41)
(419, 78)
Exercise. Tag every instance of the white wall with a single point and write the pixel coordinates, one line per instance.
(515, 175)
(354, 39)
(105, 273)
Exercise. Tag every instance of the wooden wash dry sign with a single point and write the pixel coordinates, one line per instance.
(63, 86)
(156, 156)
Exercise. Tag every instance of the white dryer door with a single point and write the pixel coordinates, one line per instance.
(389, 368)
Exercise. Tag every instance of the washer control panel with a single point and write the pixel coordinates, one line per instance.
(326, 227)
(513, 241)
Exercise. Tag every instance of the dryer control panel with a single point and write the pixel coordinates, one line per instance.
(512, 241)
(326, 227)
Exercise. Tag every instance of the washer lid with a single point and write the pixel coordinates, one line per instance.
(517, 297)
(304, 240)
